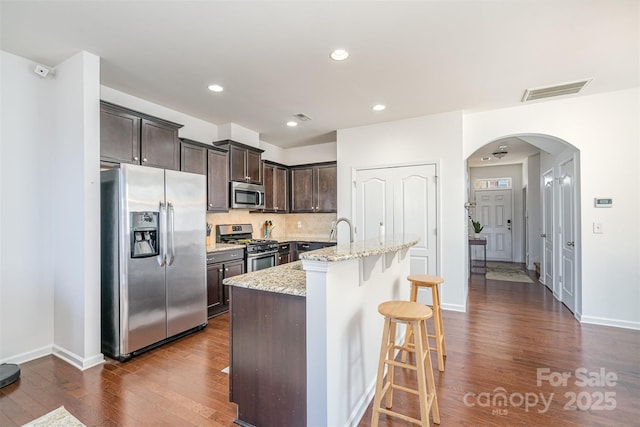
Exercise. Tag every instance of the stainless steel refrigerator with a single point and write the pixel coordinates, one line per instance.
(153, 236)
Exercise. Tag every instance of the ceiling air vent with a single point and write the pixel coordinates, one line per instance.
(558, 90)
(302, 117)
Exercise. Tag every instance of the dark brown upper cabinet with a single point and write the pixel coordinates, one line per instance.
(193, 157)
(196, 157)
(128, 136)
(314, 188)
(245, 162)
(217, 180)
(276, 187)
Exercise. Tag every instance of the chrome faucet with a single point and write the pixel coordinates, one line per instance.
(334, 229)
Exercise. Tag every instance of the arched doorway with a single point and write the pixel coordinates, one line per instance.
(541, 175)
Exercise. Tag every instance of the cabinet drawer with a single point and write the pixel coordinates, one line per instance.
(225, 256)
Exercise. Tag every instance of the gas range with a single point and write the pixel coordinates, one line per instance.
(260, 253)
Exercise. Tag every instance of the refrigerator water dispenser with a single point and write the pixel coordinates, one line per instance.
(144, 234)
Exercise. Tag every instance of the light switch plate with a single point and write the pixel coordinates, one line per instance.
(597, 228)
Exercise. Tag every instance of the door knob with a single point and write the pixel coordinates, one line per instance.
(570, 244)
(543, 235)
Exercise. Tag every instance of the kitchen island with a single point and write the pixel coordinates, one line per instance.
(305, 336)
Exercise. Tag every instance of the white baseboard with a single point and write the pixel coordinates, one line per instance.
(362, 405)
(77, 361)
(604, 321)
(453, 307)
(30, 355)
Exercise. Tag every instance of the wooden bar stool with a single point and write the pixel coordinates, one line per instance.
(418, 280)
(414, 315)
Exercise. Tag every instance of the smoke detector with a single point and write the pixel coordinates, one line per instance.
(557, 90)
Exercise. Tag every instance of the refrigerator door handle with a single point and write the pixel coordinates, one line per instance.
(162, 256)
(171, 226)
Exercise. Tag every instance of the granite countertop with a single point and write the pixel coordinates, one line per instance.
(292, 279)
(361, 249)
(218, 247)
(287, 278)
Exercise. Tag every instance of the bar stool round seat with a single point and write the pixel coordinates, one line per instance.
(433, 282)
(414, 315)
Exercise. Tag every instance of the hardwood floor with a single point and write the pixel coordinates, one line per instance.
(510, 331)
(178, 384)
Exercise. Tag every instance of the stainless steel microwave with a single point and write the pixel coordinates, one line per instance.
(246, 196)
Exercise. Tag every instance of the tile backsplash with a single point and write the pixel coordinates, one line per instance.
(284, 225)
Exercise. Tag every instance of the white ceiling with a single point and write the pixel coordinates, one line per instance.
(417, 57)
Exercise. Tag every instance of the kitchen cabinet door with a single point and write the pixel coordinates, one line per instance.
(128, 136)
(237, 164)
(215, 274)
(160, 145)
(268, 181)
(193, 158)
(221, 265)
(302, 190)
(217, 181)
(276, 188)
(314, 188)
(254, 167)
(231, 269)
(245, 162)
(326, 188)
(119, 136)
(281, 189)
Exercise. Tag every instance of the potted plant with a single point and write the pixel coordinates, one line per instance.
(477, 227)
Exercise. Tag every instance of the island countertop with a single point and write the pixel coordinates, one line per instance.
(291, 278)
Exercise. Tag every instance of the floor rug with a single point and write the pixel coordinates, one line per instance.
(56, 418)
(508, 272)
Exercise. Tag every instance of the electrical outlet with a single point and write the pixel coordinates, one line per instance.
(299, 224)
(597, 228)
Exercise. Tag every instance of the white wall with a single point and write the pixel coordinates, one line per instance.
(431, 139)
(534, 204)
(604, 128)
(26, 255)
(75, 211)
(311, 154)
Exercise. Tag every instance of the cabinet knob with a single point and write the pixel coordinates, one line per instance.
(220, 270)
(135, 158)
(211, 204)
(226, 269)
(144, 160)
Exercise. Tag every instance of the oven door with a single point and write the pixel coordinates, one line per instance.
(260, 261)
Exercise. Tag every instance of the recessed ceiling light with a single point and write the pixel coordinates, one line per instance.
(379, 107)
(339, 55)
(292, 124)
(216, 88)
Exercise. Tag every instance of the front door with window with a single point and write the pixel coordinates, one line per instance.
(494, 211)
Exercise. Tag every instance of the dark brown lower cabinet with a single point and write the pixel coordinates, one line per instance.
(221, 265)
(268, 357)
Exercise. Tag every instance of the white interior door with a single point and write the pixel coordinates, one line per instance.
(494, 211)
(374, 204)
(403, 199)
(546, 275)
(566, 235)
